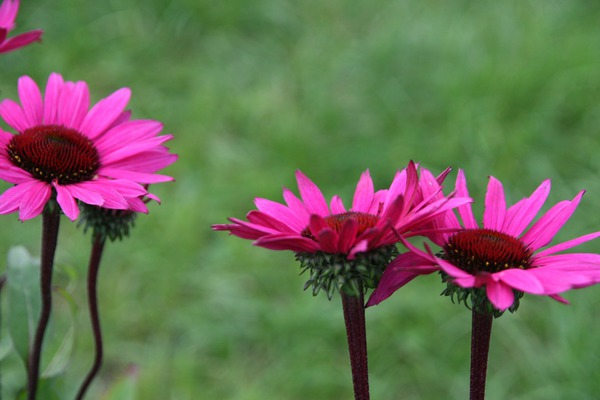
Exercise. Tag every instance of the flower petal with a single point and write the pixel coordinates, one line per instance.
(31, 100)
(500, 294)
(543, 231)
(66, 201)
(363, 195)
(523, 212)
(495, 205)
(105, 112)
(312, 197)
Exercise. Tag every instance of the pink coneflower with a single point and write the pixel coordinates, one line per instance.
(503, 259)
(310, 225)
(98, 156)
(8, 14)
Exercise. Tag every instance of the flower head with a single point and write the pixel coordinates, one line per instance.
(495, 264)
(63, 150)
(355, 239)
(8, 14)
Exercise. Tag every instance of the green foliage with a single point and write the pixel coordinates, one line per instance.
(253, 91)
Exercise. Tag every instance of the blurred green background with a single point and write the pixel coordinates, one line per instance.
(253, 91)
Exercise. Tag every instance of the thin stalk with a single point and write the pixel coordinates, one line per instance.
(354, 316)
(481, 333)
(93, 267)
(50, 225)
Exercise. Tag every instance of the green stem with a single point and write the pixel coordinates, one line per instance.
(481, 333)
(50, 225)
(354, 317)
(94, 266)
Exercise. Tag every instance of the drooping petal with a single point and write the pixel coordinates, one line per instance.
(521, 280)
(500, 294)
(347, 235)
(66, 201)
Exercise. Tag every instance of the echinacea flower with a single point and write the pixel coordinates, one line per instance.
(64, 149)
(503, 259)
(8, 14)
(319, 232)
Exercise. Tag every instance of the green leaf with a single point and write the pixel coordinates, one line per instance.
(60, 359)
(125, 388)
(23, 298)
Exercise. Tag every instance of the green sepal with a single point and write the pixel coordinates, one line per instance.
(476, 298)
(106, 223)
(334, 272)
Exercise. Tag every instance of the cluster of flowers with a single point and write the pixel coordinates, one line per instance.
(65, 157)
(488, 266)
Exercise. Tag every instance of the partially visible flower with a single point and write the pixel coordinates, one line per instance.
(8, 14)
(494, 265)
(63, 150)
(340, 244)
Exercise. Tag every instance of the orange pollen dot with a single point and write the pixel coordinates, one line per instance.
(478, 250)
(337, 221)
(53, 152)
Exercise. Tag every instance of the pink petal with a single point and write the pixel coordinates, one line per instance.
(347, 236)
(105, 112)
(262, 219)
(21, 40)
(495, 205)
(465, 211)
(127, 133)
(401, 270)
(521, 280)
(311, 196)
(568, 244)
(296, 207)
(31, 100)
(543, 231)
(523, 212)
(29, 198)
(73, 104)
(51, 98)
(500, 294)
(286, 242)
(337, 206)
(139, 177)
(363, 195)
(282, 213)
(13, 114)
(83, 193)
(328, 240)
(66, 201)
(360, 247)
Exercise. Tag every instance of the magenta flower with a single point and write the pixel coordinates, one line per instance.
(375, 219)
(8, 14)
(504, 258)
(64, 149)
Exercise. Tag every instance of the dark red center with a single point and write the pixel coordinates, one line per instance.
(52, 152)
(337, 221)
(477, 250)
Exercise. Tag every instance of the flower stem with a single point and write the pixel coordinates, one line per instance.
(481, 333)
(354, 316)
(93, 267)
(50, 224)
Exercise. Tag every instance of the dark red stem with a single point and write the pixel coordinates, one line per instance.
(50, 224)
(354, 316)
(94, 266)
(481, 333)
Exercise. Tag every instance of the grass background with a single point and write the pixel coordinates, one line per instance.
(253, 91)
